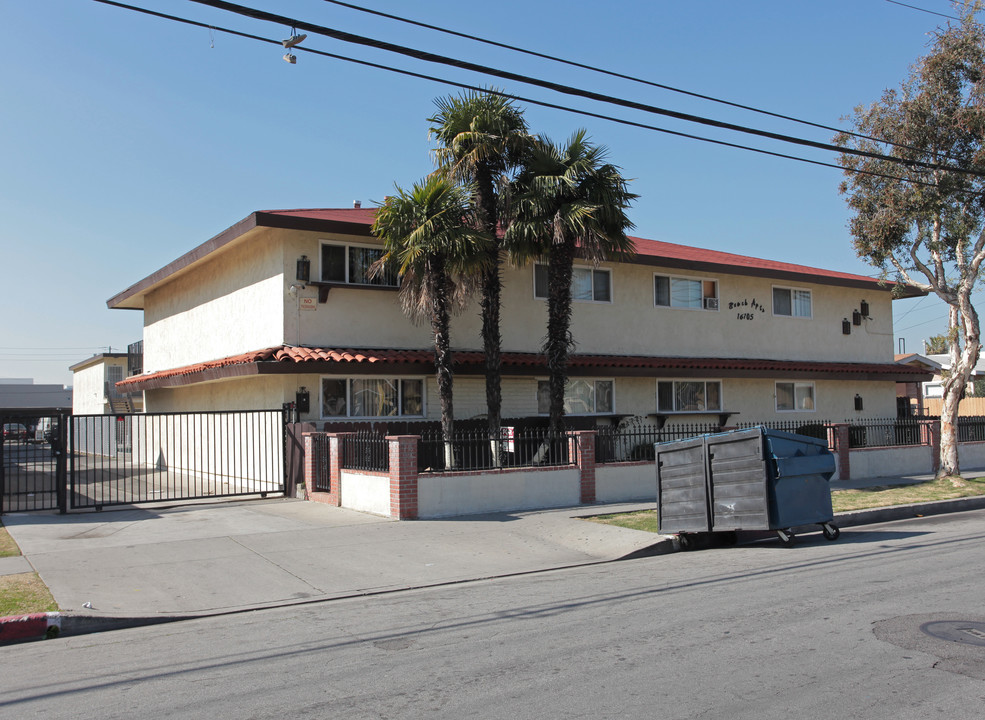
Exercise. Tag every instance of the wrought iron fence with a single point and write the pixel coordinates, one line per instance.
(482, 450)
(815, 428)
(614, 444)
(971, 429)
(365, 450)
(884, 432)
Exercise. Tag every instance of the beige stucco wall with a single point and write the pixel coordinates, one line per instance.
(232, 303)
(267, 392)
(89, 386)
(753, 399)
(240, 299)
(631, 324)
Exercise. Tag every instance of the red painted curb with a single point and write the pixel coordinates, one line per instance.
(24, 627)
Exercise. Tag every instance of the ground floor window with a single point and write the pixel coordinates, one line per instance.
(581, 396)
(372, 397)
(681, 396)
(794, 396)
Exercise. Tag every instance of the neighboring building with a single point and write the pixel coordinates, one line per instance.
(935, 388)
(910, 395)
(21, 395)
(94, 382)
(280, 305)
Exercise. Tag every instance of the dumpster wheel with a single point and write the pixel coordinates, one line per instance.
(686, 542)
(830, 530)
(786, 537)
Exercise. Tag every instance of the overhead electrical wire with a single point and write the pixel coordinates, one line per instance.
(929, 12)
(613, 73)
(520, 98)
(343, 36)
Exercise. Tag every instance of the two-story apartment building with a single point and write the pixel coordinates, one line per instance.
(280, 307)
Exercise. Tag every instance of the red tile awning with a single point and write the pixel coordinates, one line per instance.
(294, 360)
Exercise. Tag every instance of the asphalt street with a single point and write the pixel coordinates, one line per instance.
(887, 623)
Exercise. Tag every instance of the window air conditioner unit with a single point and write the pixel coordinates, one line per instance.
(711, 303)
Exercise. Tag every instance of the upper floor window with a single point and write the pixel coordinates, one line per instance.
(681, 292)
(681, 396)
(351, 264)
(581, 396)
(794, 396)
(372, 397)
(588, 284)
(791, 302)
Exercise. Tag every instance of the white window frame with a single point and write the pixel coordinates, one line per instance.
(705, 305)
(791, 289)
(592, 380)
(591, 269)
(796, 384)
(348, 380)
(707, 410)
(348, 280)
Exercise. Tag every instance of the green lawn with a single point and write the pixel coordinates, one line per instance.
(23, 593)
(841, 500)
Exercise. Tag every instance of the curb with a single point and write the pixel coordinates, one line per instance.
(16, 628)
(37, 626)
(907, 512)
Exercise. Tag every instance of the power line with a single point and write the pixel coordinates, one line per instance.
(519, 98)
(603, 71)
(264, 16)
(929, 12)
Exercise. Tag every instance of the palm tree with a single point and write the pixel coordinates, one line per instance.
(430, 241)
(568, 201)
(482, 138)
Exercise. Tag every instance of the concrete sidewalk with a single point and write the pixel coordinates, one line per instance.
(110, 568)
(220, 557)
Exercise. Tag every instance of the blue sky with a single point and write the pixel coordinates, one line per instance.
(126, 140)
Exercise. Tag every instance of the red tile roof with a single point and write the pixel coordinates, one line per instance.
(291, 359)
(652, 249)
(358, 221)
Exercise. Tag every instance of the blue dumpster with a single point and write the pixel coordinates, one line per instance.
(755, 479)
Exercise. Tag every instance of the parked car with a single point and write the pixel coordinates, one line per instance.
(14, 431)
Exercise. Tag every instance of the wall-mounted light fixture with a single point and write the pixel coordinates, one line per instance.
(304, 269)
(856, 318)
(846, 327)
(302, 400)
(864, 308)
(858, 402)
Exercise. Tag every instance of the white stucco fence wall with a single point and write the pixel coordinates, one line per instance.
(626, 482)
(446, 495)
(891, 461)
(365, 492)
(971, 455)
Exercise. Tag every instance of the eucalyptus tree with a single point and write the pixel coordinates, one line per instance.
(429, 238)
(481, 139)
(920, 217)
(568, 202)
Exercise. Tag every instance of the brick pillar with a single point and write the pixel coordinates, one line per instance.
(583, 444)
(403, 476)
(322, 466)
(839, 443)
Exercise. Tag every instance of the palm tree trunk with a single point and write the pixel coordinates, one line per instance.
(485, 202)
(559, 340)
(440, 325)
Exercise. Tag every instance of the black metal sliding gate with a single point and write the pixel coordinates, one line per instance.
(92, 461)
